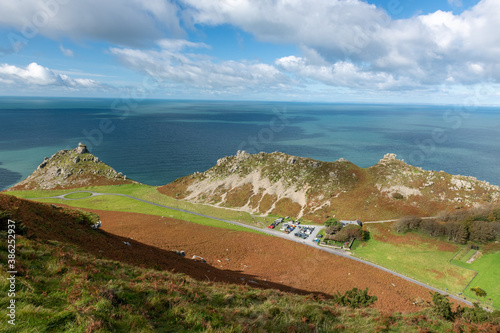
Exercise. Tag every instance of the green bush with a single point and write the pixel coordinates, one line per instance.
(474, 315)
(479, 292)
(354, 298)
(442, 306)
(330, 222)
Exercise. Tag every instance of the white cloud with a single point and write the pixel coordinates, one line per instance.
(66, 52)
(35, 75)
(427, 49)
(123, 22)
(179, 44)
(170, 65)
(341, 73)
(455, 3)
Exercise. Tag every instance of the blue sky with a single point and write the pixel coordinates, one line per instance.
(384, 51)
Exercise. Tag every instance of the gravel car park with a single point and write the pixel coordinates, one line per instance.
(297, 231)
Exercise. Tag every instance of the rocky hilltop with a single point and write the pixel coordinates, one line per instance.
(281, 184)
(71, 169)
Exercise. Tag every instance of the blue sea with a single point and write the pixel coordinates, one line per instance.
(157, 141)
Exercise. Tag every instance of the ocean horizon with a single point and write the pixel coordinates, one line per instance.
(157, 141)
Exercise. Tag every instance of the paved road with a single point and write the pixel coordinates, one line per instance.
(271, 232)
(386, 221)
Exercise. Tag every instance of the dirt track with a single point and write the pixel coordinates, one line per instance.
(261, 259)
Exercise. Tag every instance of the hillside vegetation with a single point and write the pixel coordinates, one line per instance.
(64, 283)
(286, 185)
(71, 169)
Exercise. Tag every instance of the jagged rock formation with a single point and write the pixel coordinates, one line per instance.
(71, 169)
(281, 184)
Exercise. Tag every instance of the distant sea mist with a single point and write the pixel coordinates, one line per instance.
(157, 141)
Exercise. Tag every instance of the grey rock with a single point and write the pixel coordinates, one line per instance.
(82, 149)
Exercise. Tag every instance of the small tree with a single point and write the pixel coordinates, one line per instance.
(333, 228)
(442, 306)
(407, 223)
(349, 232)
(482, 231)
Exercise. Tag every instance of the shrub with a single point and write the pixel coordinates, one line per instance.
(349, 232)
(407, 223)
(482, 232)
(330, 221)
(474, 315)
(333, 228)
(457, 232)
(442, 306)
(21, 229)
(479, 292)
(354, 298)
(432, 228)
(4, 219)
(398, 196)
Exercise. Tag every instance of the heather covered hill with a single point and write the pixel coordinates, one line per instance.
(71, 169)
(281, 184)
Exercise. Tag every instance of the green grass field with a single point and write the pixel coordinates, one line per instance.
(488, 268)
(466, 255)
(423, 262)
(78, 195)
(148, 193)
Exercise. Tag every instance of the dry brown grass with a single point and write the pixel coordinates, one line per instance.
(287, 207)
(178, 188)
(239, 196)
(267, 202)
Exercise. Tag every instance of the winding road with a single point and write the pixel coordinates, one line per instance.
(271, 232)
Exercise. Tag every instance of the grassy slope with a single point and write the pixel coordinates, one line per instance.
(420, 257)
(423, 261)
(115, 203)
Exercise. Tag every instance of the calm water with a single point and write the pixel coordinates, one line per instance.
(155, 142)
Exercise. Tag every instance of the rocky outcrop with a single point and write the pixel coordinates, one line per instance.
(81, 149)
(71, 169)
(287, 185)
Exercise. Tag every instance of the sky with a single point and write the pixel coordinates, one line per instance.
(378, 51)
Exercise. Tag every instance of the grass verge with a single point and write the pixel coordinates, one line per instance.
(78, 195)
